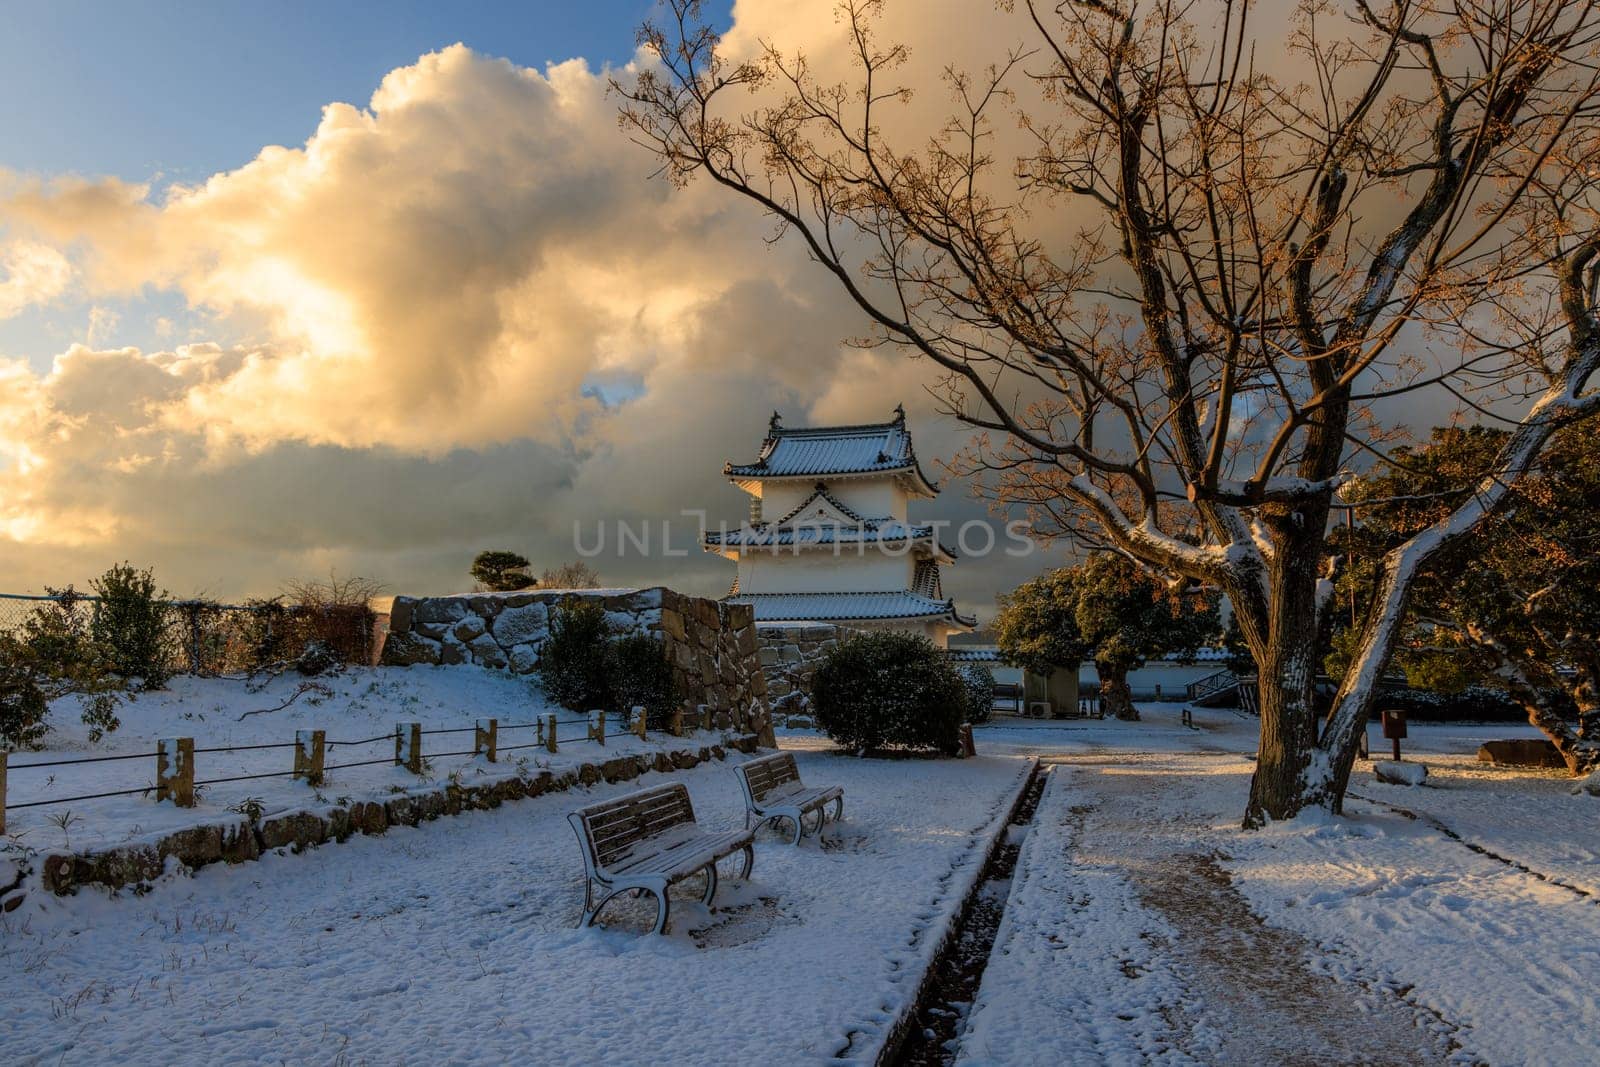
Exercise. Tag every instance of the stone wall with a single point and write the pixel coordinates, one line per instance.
(790, 654)
(712, 646)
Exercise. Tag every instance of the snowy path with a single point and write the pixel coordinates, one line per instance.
(1136, 947)
(1144, 926)
(452, 942)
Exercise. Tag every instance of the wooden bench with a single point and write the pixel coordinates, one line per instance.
(773, 790)
(645, 842)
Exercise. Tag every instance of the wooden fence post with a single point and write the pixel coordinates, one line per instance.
(638, 727)
(676, 727)
(175, 770)
(408, 746)
(597, 727)
(550, 737)
(707, 717)
(3, 755)
(310, 746)
(486, 739)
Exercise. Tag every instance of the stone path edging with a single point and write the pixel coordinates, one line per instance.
(242, 840)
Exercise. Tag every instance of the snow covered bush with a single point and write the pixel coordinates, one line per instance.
(640, 676)
(53, 655)
(889, 690)
(573, 661)
(979, 682)
(130, 622)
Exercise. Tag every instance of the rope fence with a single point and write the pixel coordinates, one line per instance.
(175, 762)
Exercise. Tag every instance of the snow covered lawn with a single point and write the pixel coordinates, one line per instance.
(361, 704)
(453, 941)
(1144, 926)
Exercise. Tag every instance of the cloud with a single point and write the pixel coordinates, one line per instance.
(31, 273)
(462, 316)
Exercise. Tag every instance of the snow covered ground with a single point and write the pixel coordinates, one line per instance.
(358, 704)
(1453, 922)
(1144, 926)
(453, 942)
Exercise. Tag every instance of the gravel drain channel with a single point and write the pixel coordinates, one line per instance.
(953, 982)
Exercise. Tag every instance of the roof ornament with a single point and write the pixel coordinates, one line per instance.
(775, 422)
(900, 414)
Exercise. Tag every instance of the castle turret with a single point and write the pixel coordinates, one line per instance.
(830, 540)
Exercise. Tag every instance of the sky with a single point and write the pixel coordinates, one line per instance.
(290, 288)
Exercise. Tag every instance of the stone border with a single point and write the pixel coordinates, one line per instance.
(244, 840)
(894, 1035)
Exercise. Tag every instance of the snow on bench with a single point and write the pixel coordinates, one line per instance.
(773, 790)
(647, 841)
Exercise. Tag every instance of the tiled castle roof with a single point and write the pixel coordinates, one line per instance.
(819, 451)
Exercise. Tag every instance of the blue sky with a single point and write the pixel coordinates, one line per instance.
(187, 89)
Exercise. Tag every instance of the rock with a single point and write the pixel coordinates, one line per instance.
(520, 625)
(400, 614)
(438, 609)
(588, 774)
(662, 762)
(434, 630)
(400, 811)
(523, 658)
(404, 649)
(486, 652)
(672, 624)
(684, 760)
(298, 830)
(194, 847)
(368, 817)
(1399, 773)
(621, 769)
(430, 806)
(240, 843)
(451, 652)
(468, 628)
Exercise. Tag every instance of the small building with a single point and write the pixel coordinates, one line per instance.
(829, 539)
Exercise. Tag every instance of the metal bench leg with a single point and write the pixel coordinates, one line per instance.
(661, 911)
(838, 808)
(590, 915)
(799, 827)
(749, 861)
(711, 884)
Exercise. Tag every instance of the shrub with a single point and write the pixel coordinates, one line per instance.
(889, 690)
(53, 655)
(265, 635)
(978, 680)
(23, 704)
(129, 622)
(640, 676)
(573, 660)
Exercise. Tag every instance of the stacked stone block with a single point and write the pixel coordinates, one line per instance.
(712, 646)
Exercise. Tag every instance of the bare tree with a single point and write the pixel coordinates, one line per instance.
(573, 575)
(1178, 313)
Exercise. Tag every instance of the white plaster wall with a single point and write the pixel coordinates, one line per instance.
(873, 498)
(816, 571)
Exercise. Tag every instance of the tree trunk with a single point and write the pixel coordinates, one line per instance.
(1116, 698)
(1285, 650)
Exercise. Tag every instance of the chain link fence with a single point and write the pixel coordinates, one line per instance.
(205, 637)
